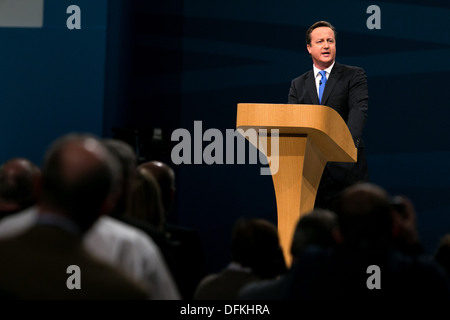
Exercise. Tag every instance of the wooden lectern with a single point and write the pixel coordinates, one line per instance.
(309, 137)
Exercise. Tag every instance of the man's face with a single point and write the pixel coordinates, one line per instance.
(323, 47)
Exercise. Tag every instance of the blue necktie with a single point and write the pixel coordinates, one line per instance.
(322, 84)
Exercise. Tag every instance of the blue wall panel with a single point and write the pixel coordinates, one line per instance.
(249, 51)
(203, 57)
(52, 79)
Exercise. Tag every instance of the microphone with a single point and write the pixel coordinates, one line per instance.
(320, 82)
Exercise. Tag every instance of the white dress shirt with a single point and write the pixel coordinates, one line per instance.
(318, 76)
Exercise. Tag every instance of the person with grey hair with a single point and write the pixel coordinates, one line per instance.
(78, 186)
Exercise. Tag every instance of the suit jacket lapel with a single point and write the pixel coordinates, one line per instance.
(335, 76)
(311, 87)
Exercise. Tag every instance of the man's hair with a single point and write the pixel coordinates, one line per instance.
(144, 201)
(318, 24)
(17, 185)
(125, 154)
(315, 228)
(165, 176)
(127, 160)
(255, 244)
(364, 215)
(442, 253)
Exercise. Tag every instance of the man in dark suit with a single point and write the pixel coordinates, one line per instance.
(343, 88)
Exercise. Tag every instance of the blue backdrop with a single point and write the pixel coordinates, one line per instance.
(52, 79)
(142, 64)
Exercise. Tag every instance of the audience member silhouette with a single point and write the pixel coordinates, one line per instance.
(120, 244)
(316, 228)
(132, 196)
(442, 254)
(145, 211)
(165, 176)
(100, 211)
(145, 200)
(189, 264)
(19, 178)
(125, 245)
(77, 187)
(128, 162)
(366, 263)
(256, 254)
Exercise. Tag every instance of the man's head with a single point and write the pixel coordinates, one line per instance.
(315, 228)
(442, 253)
(19, 178)
(166, 180)
(321, 44)
(364, 216)
(78, 179)
(255, 244)
(128, 161)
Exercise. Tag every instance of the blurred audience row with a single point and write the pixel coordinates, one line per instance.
(366, 247)
(91, 223)
(91, 206)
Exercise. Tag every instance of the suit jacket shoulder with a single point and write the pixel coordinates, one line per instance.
(36, 263)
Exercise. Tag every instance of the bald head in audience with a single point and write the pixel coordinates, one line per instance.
(79, 177)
